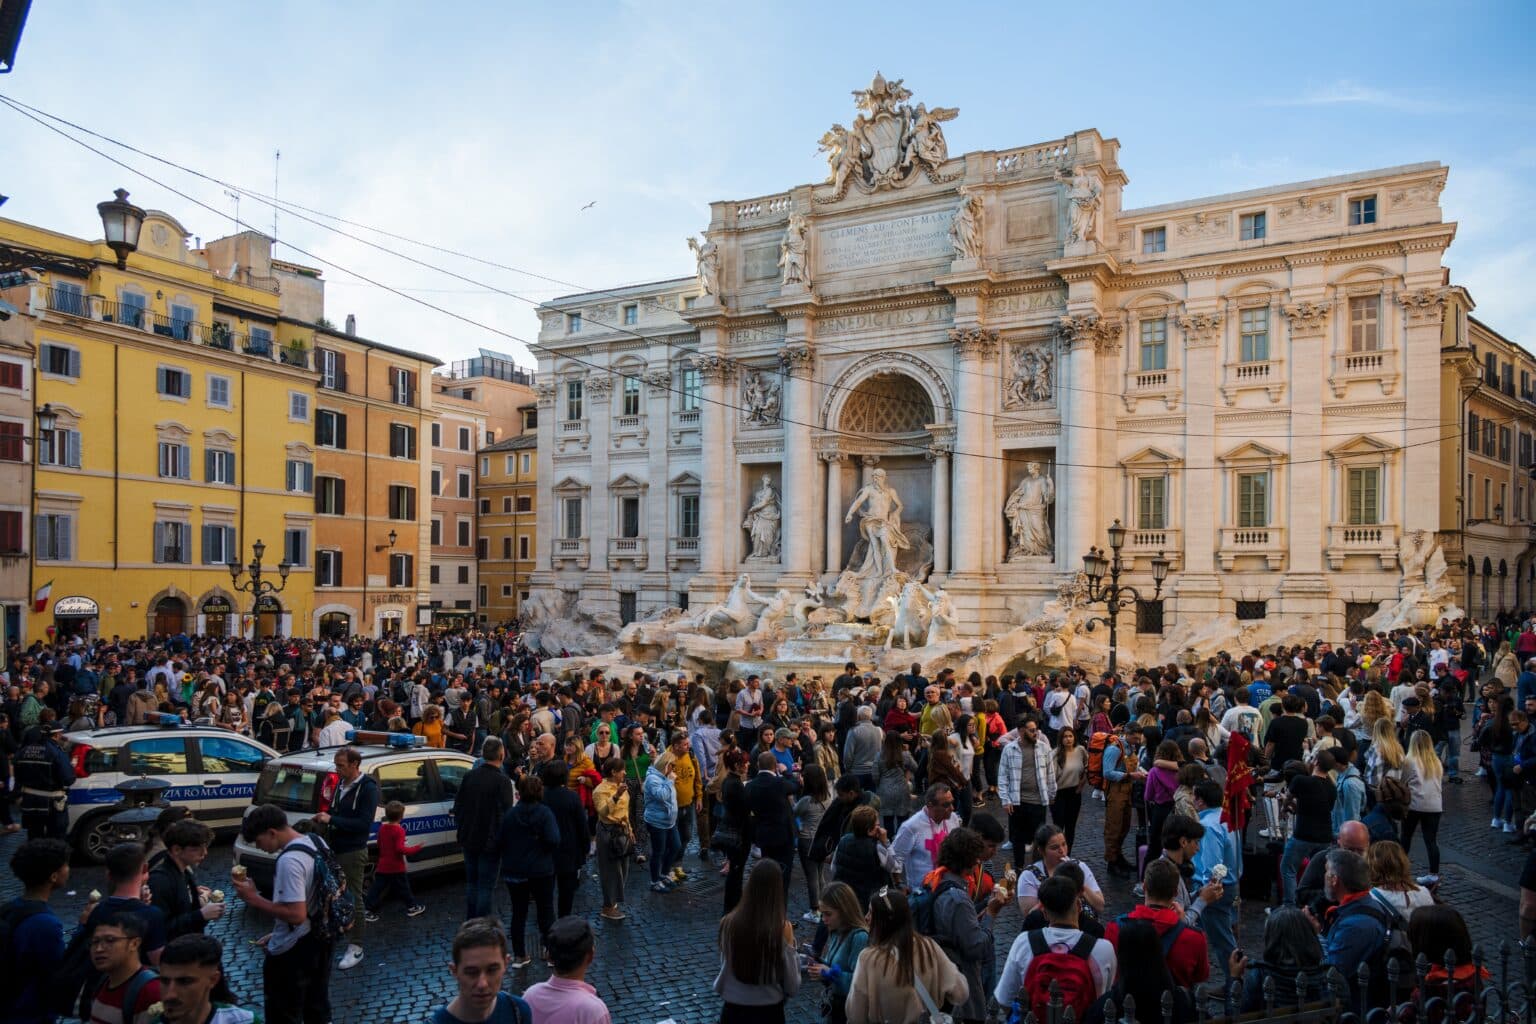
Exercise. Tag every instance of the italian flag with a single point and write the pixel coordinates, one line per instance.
(40, 599)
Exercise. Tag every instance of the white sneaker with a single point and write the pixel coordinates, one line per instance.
(1428, 880)
(1509, 826)
(1497, 823)
(352, 957)
(1007, 846)
(811, 916)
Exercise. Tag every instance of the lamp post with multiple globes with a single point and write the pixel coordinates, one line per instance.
(257, 587)
(1112, 593)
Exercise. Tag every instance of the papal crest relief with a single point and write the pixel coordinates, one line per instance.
(888, 143)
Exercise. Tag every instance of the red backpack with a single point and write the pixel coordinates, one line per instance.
(1097, 744)
(1072, 972)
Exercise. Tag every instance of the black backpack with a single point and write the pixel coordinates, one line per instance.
(12, 916)
(75, 979)
(328, 905)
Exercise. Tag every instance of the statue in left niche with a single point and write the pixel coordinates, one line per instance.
(763, 522)
(794, 252)
(708, 257)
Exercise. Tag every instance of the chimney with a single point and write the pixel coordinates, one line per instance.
(351, 325)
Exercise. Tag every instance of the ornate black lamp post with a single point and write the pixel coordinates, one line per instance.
(257, 587)
(121, 221)
(1112, 594)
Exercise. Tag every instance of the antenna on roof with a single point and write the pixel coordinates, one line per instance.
(277, 156)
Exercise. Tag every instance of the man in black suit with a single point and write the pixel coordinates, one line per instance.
(773, 823)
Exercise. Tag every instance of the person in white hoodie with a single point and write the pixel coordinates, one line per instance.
(917, 840)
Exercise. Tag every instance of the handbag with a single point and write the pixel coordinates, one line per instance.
(619, 844)
(726, 839)
(935, 1015)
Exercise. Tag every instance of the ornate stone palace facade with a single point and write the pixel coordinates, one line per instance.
(1250, 382)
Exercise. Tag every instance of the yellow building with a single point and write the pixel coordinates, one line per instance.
(185, 407)
(508, 477)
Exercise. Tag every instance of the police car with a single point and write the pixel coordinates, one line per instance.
(425, 779)
(212, 772)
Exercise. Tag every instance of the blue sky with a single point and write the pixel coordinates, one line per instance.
(485, 127)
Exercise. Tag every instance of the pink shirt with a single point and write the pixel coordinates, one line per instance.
(566, 1001)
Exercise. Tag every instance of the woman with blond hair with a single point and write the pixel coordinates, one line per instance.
(1392, 879)
(431, 727)
(1385, 755)
(1506, 667)
(1425, 776)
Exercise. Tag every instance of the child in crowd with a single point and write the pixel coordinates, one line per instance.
(390, 874)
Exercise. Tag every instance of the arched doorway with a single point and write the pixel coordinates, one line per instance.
(1487, 580)
(335, 625)
(218, 612)
(170, 616)
(269, 617)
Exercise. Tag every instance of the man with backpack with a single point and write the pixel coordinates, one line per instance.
(306, 888)
(1184, 948)
(127, 990)
(350, 820)
(945, 910)
(1121, 770)
(31, 935)
(1082, 966)
(1360, 929)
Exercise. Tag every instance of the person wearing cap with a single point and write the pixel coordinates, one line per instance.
(783, 751)
(567, 998)
(43, 777)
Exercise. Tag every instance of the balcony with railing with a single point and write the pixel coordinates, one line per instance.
(293, 355)
(1149, 384)
(125, 314)
(1147, 544)
(1266, 375)
(1372, 365)
(1373, 540)
(627, 549)
(68, 302)
(570, 549)
(680, 551)
(1267, 542)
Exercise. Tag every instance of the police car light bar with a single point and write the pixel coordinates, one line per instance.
(396, 740)
(168, 721)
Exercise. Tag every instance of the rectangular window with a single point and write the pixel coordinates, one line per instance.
(692, 390)
(527, 463)
(218, 467)
(58, 360)
(172, 382)
(130, 309)
(573, 323)
(482, 548)
(218, 391)
(437, 435)
(402, 386)
(1248, 611)
(483, 599)
(1254, 341)
(437, 481)
(524, 503)
(522, 547)
(1490, 438)
(298, 407)
(1491, 369)
(1151, 503)
(1505, 434)
(688, 515)
(631, 406)
(631, 315)
(402, 572)
(175, 461)
(465, 483)
(402, 502)
(330, 429)
(629, 517)
(333, 369)
(1154, 344)
(1474, 431)
(506, 504)
(10, 531)
(1502, 508)
(172, 543)
(506, 590)
(1365, 496)
(1149, 616)
(260, 343)
(181, 321)
(485, 465)
(59, 447)
(434, 573)
(327, 568)
(1154, 240)
(11, 448)
(55, 538)
(402, 441)
(296, 546)
(1525, 449)
(574, 393)
(627, 607)
(301, 477)
(1252, 226)
(485, 506)
(436, 531)
(463, 574)
(572, 519)
(331, 496)
(219, 547)
(463, 439)
(1252, 499)
(1362, 210)
(1365, 323)
(10, 375)
(506, 548)
(463, 530)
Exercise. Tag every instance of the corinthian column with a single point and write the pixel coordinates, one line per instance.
(938, 455)
(1086, 336)
(714, 373)
(834, 511)
(800, 476)
(974, 347)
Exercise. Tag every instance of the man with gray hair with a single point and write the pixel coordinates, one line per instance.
(1358, 927)
(861, 751)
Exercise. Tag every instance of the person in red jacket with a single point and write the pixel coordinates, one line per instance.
(1183, 947)
(389, 876)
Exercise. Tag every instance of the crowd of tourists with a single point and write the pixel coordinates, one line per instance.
(1308, 770)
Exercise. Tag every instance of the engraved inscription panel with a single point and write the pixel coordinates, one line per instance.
(918, 238)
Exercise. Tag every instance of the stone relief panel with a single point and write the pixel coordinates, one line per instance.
(760, 395)
(1030, 382)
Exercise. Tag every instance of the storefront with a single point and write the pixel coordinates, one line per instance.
(335, 625)
(269, 617)
(216, 616)
(75, 616)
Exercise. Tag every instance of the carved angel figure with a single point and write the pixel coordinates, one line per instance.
(965, 229)
(845, 150)
(794, 252)
(708, 257)
(926, 144)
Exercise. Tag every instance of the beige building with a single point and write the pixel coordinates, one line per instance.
(18, 426)
(1247, 381)
(507, 523)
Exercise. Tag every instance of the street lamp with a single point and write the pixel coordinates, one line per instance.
(257, 587)
(1112, 594)
(393, 536)
(47, 419)
(121, 221)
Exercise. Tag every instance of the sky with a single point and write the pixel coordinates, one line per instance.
(486, 128)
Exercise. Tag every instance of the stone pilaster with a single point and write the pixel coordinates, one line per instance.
(800, 478)
(715, 374)
(834, 510)
(975, 348)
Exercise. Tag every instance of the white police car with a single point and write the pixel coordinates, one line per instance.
(212, 772)
(425, 779)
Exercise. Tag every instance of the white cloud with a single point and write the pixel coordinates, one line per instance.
(1348, 92)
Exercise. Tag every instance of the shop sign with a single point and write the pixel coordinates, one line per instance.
(76, 607)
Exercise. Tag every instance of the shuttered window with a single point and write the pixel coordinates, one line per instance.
(1365, 496)
(219, 546)
(55, 538)
(175, 461)
(218, 467)
(1252, 499)
(10, 442)
(10, 531)
(171, 543)
(1151, 502)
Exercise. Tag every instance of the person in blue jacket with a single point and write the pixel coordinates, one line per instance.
(37, 935)
(1356, 928)
(527, 842)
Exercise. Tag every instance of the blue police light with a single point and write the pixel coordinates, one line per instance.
(171, 721)
(393, 740)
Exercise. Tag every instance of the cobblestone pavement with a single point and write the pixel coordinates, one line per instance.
(660, 963)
